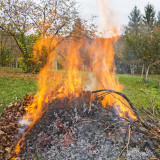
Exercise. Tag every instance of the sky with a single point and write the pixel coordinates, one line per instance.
(121, 8)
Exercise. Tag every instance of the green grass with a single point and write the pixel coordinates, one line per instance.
(133, 86)
(14, 89)
(10, 69)
(14, 85)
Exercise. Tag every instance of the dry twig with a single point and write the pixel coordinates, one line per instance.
(127, 145)
(127, 99)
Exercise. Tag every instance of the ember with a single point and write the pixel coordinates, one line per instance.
(75, 132)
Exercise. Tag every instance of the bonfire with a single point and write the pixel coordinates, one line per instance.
(70, 118)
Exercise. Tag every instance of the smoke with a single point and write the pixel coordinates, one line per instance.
(24, 124)
(102, 52)
(109, 25)
(93, 82)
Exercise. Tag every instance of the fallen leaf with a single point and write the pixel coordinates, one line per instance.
(8, 149)
(1, 132)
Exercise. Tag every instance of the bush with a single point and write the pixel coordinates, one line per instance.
(6, 57)
(29, 66)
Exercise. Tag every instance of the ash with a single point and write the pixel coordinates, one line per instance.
(78, 130)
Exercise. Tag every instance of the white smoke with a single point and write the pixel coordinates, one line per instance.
(109, 19)
(24, 122)
(93, 82)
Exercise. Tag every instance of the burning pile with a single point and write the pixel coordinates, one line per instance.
(73, 83)
(64, 121)
(79, 129)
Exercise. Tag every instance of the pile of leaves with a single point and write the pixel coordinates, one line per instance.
(13, 113)
(9, 125)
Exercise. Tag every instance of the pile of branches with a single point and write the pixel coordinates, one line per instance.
(148, 124)
(9, 125)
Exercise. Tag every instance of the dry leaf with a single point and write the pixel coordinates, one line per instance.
(1, 132)
(9, 125)
(8, 149)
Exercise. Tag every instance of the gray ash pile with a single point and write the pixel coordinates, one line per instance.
(80, 130)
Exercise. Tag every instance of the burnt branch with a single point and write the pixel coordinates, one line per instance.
(142, 122)
(127, 99)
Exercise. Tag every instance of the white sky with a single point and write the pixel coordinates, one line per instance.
(122, 8)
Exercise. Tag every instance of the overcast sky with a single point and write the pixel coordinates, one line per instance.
(122, 8)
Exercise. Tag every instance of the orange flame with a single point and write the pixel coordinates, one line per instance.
(47, 81)
(101, 53)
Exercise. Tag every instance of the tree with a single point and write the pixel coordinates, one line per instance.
(130, 48)
(158, 19)
(129, 40)
(141, 40)
(135, 18)
(81, 29)
(120, 60)
(21, 18)
(149, 16)
(149, 51)
(8, 50)
(81, 33)
(145, 44)
(6, 57)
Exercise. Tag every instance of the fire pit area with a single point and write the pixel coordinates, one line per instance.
(82, 128)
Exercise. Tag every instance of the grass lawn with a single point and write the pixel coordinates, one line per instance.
(140, 93)
(14, 84)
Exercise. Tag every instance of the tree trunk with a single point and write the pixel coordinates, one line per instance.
(142, 70)
(56, 65)
(132, 69)
(16, 64)
(1, 49)
(147, 71)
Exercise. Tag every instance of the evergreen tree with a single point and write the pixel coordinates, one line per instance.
(135, 18)
(149, 16)
(158, 18)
